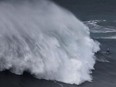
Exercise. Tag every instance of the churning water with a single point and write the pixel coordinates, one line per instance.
(46, 40)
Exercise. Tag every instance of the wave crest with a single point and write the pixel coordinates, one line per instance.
(46, 40)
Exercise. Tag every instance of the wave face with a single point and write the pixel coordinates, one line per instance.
(46, 40)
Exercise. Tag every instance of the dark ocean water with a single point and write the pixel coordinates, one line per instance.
(100, 17)
(90, 9)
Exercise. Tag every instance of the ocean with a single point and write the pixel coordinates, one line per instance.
(97, 15)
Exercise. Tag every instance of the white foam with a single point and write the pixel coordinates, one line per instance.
(95, 28)
(110, 37)
(46, 40)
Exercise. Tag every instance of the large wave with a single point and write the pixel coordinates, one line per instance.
(46, 40)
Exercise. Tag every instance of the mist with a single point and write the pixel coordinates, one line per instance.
(46, 40)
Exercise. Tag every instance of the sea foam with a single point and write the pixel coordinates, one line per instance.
(46, 40)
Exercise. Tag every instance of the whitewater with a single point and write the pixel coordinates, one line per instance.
(46, 40)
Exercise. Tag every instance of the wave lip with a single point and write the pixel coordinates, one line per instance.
(46, 40)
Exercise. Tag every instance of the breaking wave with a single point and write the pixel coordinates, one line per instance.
(46, 40)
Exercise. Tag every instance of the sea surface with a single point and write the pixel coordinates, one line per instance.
(100, 17)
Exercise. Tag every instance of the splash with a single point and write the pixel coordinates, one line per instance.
(46, 40)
